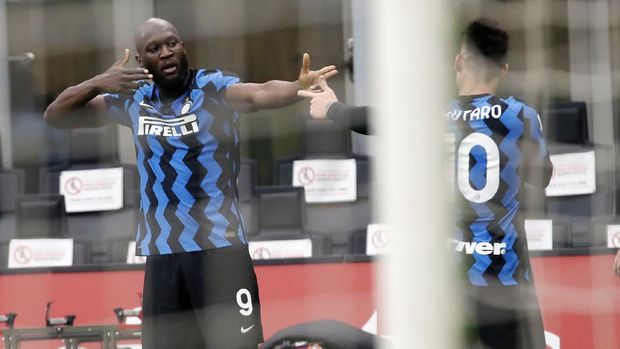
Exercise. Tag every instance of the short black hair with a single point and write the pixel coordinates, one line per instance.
(487, 39)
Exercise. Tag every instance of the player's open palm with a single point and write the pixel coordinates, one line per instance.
(309, 78)
(119, 79)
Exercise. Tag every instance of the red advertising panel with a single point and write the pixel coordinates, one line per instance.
(580, 300)
(579, 297)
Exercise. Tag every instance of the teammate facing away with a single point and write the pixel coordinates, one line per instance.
(498, 149)
(200, 289)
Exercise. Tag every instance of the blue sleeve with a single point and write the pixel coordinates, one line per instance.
(540, 154)
(225, 80)
(535, 131)
(117, 108)
(219, 79)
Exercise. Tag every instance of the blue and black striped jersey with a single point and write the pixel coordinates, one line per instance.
(188, 162)
(498, 147)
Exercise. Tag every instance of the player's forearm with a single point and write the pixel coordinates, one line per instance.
(63, 111)
(276, 94)
(547, 171)
(536, 172)
(354, 118)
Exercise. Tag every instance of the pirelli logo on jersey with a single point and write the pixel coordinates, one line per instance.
(182, 126)
(481, 248)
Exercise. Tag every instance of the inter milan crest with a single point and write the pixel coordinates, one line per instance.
(187, 106)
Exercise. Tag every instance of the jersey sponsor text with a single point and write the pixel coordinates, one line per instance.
(481, 248)
(182, 126)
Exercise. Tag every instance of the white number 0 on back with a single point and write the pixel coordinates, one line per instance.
(492, 171)
(244, 300)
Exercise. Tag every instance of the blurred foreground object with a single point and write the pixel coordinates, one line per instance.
(329, 334)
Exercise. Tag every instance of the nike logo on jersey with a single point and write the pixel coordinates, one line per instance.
(246, 330)
(145, 105)
(152, 126)
(481, 248)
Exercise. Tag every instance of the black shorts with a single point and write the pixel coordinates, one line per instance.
(504, 317)
(206, 299)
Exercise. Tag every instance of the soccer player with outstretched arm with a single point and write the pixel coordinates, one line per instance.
(200, 288)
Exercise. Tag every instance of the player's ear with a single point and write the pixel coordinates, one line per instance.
(505, 69)
(458, 62)
(139, 60)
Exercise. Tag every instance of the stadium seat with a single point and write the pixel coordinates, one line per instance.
(582, 211)
(11, 187)
(586, 206)
(281, 216)
(327, 140)
(281, 211)
(562, 233)
(336, 220)
(591, 232)
(577, 217)
(357, 241)
(41, 216)
(561, 227)
(93, 145)
(324, 139)
(601, 203)
(566, 122)
(4, 254)
(100, 231)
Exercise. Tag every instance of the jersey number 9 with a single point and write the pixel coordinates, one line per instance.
(244, 301)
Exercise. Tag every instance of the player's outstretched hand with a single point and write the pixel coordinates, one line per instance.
(617, 263)
(309, 78)
(119, 79)
(320, 100)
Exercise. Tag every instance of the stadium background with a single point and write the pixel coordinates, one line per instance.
(562, 51)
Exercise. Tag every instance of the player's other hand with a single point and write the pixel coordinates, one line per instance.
(309, 78)
(319, 100)
(119, 79)
(617, 263)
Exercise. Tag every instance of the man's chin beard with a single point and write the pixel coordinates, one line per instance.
(173, 82)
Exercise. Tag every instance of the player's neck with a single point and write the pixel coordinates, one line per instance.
(478, 87)
(168, 94)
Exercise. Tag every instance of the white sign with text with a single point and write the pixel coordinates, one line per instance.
(613, 235)
(552, 340)
(131, 254)
(539, 234)
(33, 253)
(274, 249)
(92, 190)
(377, 239)
(326, 180)
(574, 174)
